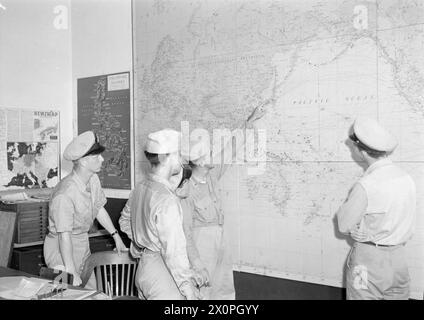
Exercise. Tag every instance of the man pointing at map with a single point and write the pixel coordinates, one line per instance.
(379, 214)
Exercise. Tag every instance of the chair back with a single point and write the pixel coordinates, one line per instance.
(115, 274)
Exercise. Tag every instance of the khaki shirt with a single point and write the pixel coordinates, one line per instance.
(152, 219)
(74, 205)
(202, 208)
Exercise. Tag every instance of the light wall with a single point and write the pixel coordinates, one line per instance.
(40, 64)
(101, 44)
(36, 59)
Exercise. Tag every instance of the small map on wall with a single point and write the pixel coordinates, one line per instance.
(32, 165)
(29, 149)
(104, 106)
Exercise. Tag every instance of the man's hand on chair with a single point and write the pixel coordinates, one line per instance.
(119, 244)
(77, 278)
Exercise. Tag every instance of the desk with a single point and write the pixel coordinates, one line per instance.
(99, 233)
(7, 272)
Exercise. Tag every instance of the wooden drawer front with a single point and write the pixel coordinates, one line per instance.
(33, 207)
(29, 214)
(28, 259)
(32, 223)
(30, 232)
(35, 233)
(32, 219)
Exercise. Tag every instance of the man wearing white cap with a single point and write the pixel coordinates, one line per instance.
(76, 201)
(379, 215)
(152, 218)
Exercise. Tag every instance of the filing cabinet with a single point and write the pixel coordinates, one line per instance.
(30, 229)
(31, 220)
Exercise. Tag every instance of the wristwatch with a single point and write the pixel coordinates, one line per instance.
(114, 232)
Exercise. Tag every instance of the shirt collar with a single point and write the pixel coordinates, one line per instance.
(198, 181)
(81, 185)
(160, 179)
(378, 164)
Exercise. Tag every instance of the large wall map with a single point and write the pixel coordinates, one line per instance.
(322, 63)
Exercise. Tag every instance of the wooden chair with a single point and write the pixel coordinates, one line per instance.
(113, 271)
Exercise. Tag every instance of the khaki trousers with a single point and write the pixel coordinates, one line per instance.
(375, 273)
(80, 250)
(153, 279)
(215, 254)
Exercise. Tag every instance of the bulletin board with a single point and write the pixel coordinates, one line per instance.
(104, 106)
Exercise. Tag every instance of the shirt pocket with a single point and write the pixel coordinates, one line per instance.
(83, 217)
(205, 210)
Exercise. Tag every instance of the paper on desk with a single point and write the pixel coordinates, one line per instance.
(24, 288)
(28, 288)
(20, 288)
(11, 197)
(9, 283)
(72, 294)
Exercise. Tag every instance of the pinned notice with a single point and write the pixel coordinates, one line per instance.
(118, 82)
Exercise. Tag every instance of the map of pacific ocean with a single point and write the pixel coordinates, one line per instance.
(322, 64)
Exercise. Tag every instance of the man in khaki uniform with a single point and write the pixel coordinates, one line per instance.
(379, 214)
(152, 219)
(76, 201)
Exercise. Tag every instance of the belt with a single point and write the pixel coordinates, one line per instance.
(145, 250)
(206, 224)
(218, 221)
(379, 245)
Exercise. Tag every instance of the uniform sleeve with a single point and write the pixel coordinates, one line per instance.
(353, 209)
(125, 219)
(62, 213)
(99, 198)
(224, 158)
(221, 162)
(192, 252)
(169, 226)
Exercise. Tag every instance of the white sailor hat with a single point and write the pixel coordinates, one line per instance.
(371, 134)
(83, 145)
(199, 147)
(163, 141)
